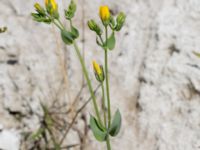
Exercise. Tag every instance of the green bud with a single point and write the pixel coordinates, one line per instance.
(120, 21)
(52, 8)
(112, 23)
(39, 18)
(3, 29)
(39, 9)
(94, 27)
(70, 12)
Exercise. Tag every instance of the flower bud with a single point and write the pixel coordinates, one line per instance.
(120, 21)
(112, 23)
(104, 14)
(3, 29)
(94, 27)
(98, 71)
(39, 9)
(70, 12)
(52, 8)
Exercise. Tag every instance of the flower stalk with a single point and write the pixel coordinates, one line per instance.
(107, 77)
(88, 82)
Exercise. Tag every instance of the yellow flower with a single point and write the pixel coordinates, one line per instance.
(97, 68)
(53, 4)
(104, 13)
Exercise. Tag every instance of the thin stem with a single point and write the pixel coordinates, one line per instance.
(101, 39)
(59, 26)
(108, 143)
(70, 21)
(103, 102)
(60, 23)
(107, 80)
(88, 82)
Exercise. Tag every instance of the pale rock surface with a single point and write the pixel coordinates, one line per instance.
(9, 139)
(155, 77)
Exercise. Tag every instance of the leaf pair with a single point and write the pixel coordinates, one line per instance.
(101, 133)
(69, 37)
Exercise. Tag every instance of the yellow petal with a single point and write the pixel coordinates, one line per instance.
(54, 5)
(52, 2)
(96, 67)
(104, 13)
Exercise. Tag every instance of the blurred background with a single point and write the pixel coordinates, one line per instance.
(154, 75)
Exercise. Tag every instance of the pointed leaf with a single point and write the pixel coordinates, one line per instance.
(111, 41)
(99, 134)
(67, 37)
(116, 124)
(74, 32)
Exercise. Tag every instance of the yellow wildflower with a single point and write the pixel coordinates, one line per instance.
(53, 4)
(104, 13)
(97, 68)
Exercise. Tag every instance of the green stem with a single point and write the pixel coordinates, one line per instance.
(60, 23)
(103, 102)
(107, 80)
(101, 39)
(108, 143)
(59, 26)
(88, 82)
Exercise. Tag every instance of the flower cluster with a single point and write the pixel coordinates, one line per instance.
(102, 130)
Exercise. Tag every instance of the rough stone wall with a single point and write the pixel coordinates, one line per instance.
(155, 77)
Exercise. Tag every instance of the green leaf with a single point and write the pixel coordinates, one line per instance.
(99, 133)
(116, 124)
(74, 32)
(67, 37)
(196, 53)
(111, 41)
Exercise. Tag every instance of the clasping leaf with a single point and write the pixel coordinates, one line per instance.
(98, 132)
(67, 37)
(74, 32)
(116, 124)
(111, 42)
